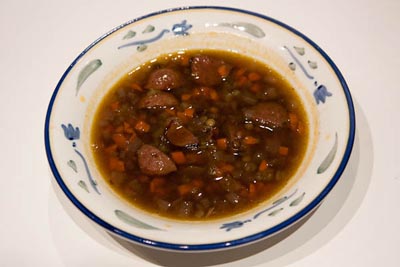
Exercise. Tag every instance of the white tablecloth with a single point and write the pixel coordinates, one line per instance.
(358, 223)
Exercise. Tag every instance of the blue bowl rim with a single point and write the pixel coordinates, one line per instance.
(219, 245)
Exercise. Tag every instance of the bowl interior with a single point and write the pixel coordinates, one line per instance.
(309, 70)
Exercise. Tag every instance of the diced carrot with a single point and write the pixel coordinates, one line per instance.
(197, 183)
(252, 189)
(142, 116)
(212, 187)
(185, 97)
(196, 158)
(267, 187)
(242, 80)
(294, 121)
(136, 87)
(116, 164)
(240, 72)
(185, 60)
(156, 184)
(243, 192)
(207, 92)
(263, 165)
(142, 126)
(119, 129)
(283, 150)
(259, 186)
(214, 110)
(250, 140)
(197, 91)
(143, 178)
(184, 189)
(201, 91)
(226, 167)
(255, 88)
(170, 111)
(119, 139)
(223, 70)
(222, 143)
(254, 76)
(213, 94)
(181, 115)
(128, 128)
(218, 172)
(132, 137)
(111, 149)
(108, 129)
(114, 106)
(179, 157)
(189, 112)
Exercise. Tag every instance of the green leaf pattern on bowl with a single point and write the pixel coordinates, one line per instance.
(237, 224)
(126, 218)
(249, 28)
(297, 200)
(300, 50)
(72, 164)
(329, 158)
(83, 185)
(130, 34)
(149, 28)
(88, 70)
(275, 212)
(312, 64)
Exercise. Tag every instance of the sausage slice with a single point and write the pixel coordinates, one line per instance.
(158, 100)
(205, 70)
(164, 79)
(152, 161)
(270, 114)
(181, 136)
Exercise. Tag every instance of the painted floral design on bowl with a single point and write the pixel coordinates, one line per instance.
(67, 123)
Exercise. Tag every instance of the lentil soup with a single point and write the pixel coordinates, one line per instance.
(199, 135)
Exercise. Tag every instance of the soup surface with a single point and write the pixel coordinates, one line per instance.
(199, 135)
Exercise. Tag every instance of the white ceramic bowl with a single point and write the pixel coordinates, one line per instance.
(314, 75)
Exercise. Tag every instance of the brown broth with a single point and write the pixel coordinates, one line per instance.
(228, 153)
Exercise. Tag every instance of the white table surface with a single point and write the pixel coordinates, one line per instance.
(358, 223)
